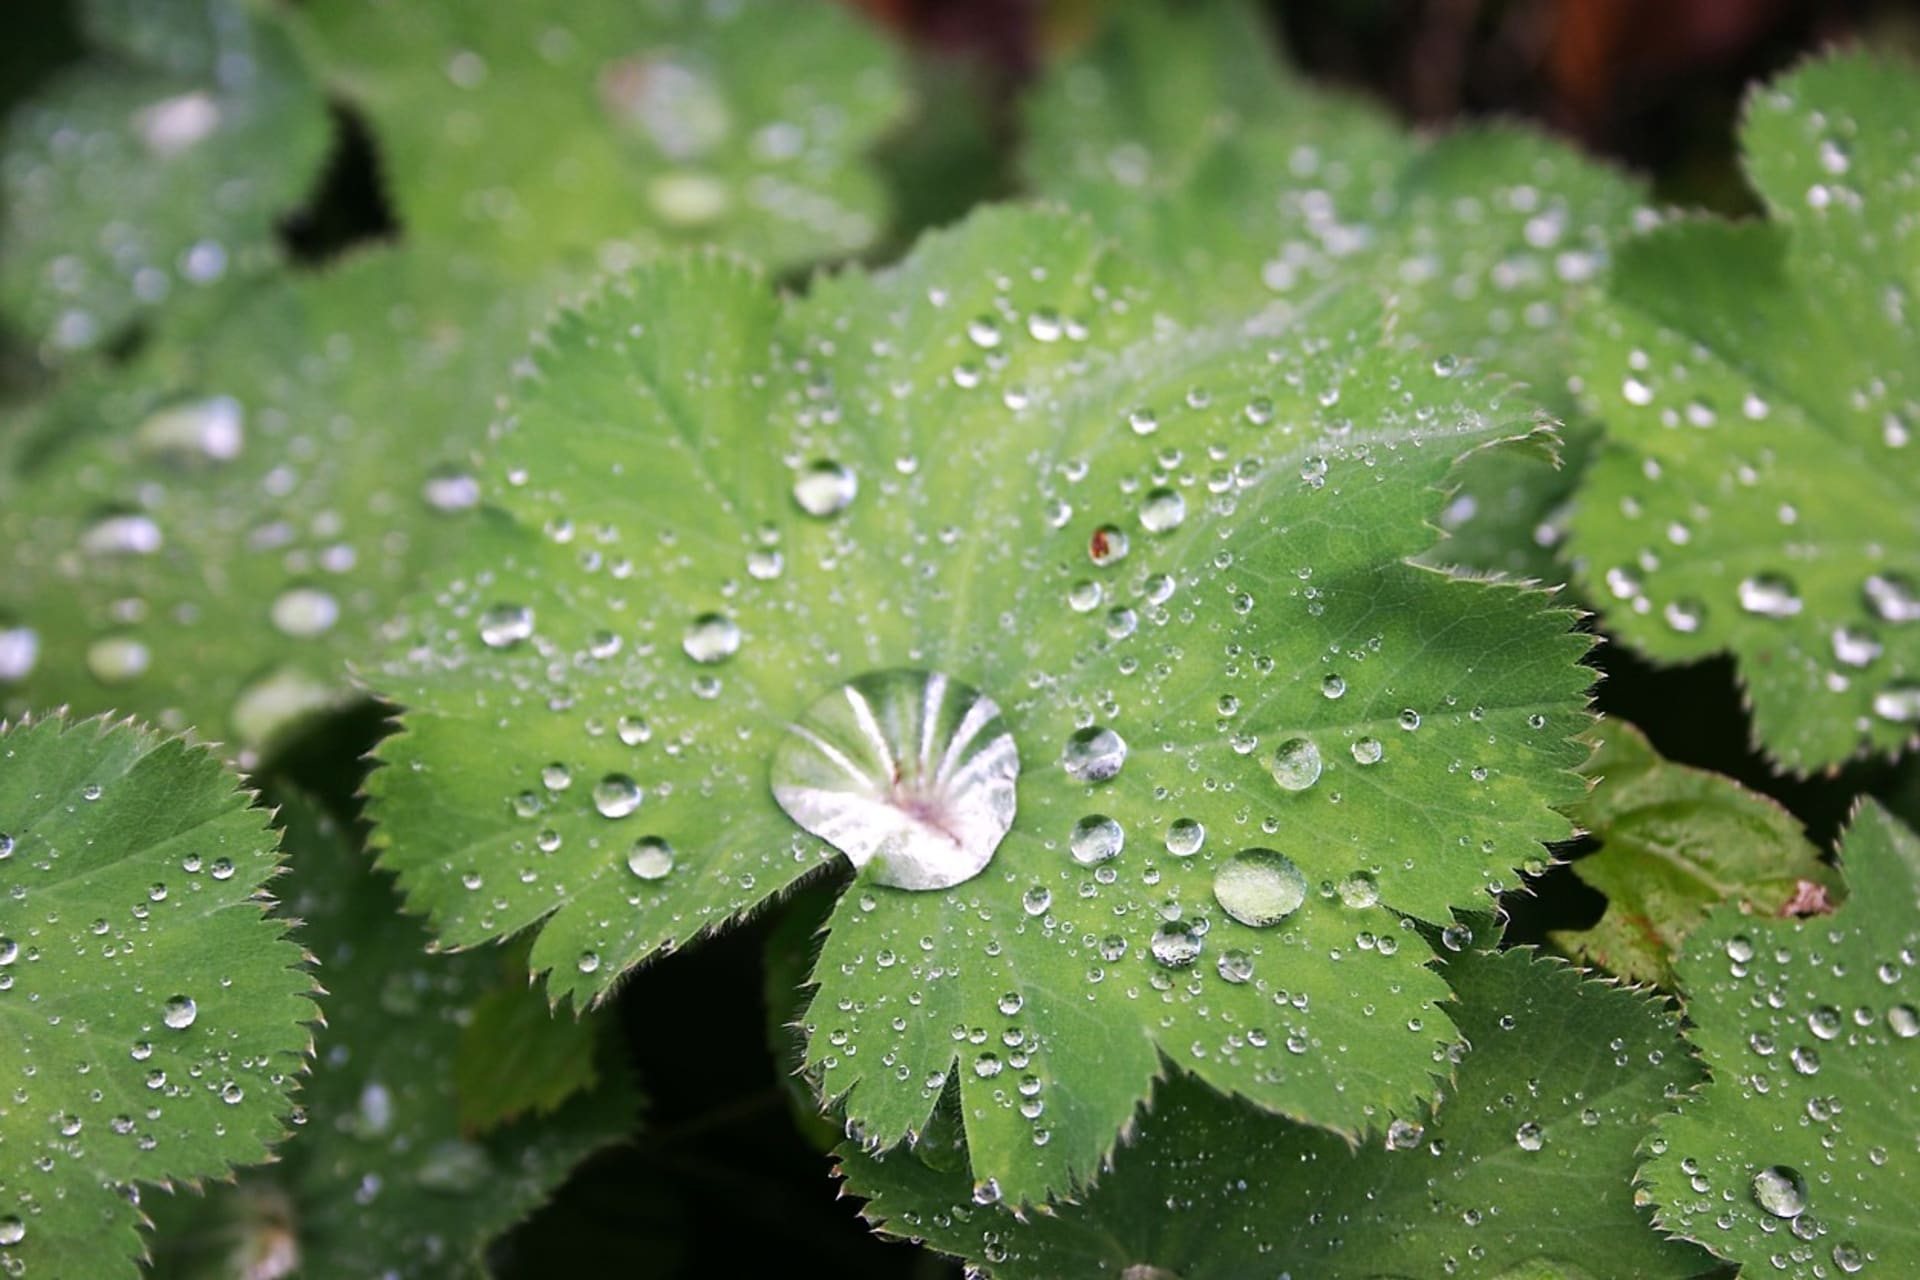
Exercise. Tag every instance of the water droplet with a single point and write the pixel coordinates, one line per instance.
(1769, 595)
(1529, 1137)
(826, 489)
(908, 771)
(1456, 937)
(1036, 900)
(197, 431)
(711, 637)
(303, 612)
(1893, 597)
(1333, 687)
(122, 534)
(450, 489)
(1898, 703)
(1684, 615)
(1175, 944)
(1234, 966)
(1259, 887)
(1359, 891)
(1162, 511)
(1093, 754)
(1184, 837)
(1296, 764)
(19, 652)
(651, 858)
(1096, 838)
(1108, 545)
(9, 950)
(12, 1230)
(180, 1012)
(1855, 646)
(1366, 751)
(1781, 1191)
(589, 962)
(616, 795)
(505, 625)
(1904, 1021)
(117, 659)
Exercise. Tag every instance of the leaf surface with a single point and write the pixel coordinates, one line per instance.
(1523, 1165)
(152, 1017)
(1760, 492)
(382, 1179)
(1795, 1158)
(1675, 842)
(598, 693)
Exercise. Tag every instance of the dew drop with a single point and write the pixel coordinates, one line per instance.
(1096, 838)
(1769, 595)
(1093, 754)
(12, 1230)
(1366, 751)
(1780, 1191)
(1163, 511)
(1529, 1137)
(1175, 944)
(616, 795)
(1185, 837)
(909, 774)
(711, 638)
(651, 858)
(1296, 764)
(1259, 887)
(19, 652)
(304, 612)
(179, 1013)
(1893, 597)
(825, 488)
(504, 625)
(117, 659)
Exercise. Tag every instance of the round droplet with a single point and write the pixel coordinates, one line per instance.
(1893, 597)
(449, 490)
(1456, 937)
(12, 1230)
(1096, 838)
(1855, 646)
(1296, 764)
(651, 858)
(125, 534)
(19, 652)
(179, 1013)
(908, 773)
(304, 612)
(505, 625)
(9, 950)
(1093, 754)
(1529, 1137)
(1780, 1191)
(118, 659)
(825, 489)
(197, 431)
(1185, 837)
(1769, 595)
(1175, 944)
(616, 795)
(1234, 966)
(1259, 887)
(1163, 511)
(711, 637)
(1366, 751)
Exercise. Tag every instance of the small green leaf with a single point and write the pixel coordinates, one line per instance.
(204, 537)
(610, 130)
(132, 179)
(1798, 1159)
(1527, 1162)
(1760, 491)
(518, 1056)
(1674, 843)
(771, 580)
(1178, 132)
(152, 1018)
(382, 1179)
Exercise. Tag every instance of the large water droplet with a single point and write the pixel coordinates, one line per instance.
(711, 637)
(1296, 764)
(1781, 1191)
(1259, 887)
(180, 1012)
(19, 652)
(651, 858)
(907, 770)
(303, 612)
(1093, 754)
(198, 431)
(825, 489)
(1769, 595)
(1894, 597)
(1176, 944)
(1096, 838)
(12, 1230)
(616, 795)
(505, 625)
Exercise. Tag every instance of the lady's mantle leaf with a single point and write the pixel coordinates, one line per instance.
(382, 1179)
(606, 129)
(1675, 842)
(151, 1016)
(1178, 132)
(133, 178)
(1527, 1160)
(1760, 492)
(1799, 1157)
(207, 535)
(1174, 562)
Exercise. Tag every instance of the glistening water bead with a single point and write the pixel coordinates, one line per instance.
(1259, 887)
(1093, 754)
(909, 773)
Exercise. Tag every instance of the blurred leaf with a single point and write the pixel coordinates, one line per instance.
(1526, 1163)
(152, 1017)
(605, 130)
(1760, 490)
(127, 182)
(1676, 842)
(518, 1056)
(382, 1180)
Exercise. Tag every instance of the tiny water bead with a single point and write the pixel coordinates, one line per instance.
(504, 625)
(616, 795)
(1094, 754)
(825, 489)
(1163, 511)
(1176, 944)
(1367, 751)
(1296, 764)
(12, 1230)
(304, 612)
(908, 773)
(179, 1013)
(1769, 595)
(1096, 838)
(1781, 1191)
(1185, 837)
(651, 858)
(711, 638)
(1259, 887)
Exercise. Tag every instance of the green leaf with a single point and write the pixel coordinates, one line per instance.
(1178, 133)
(1526, 1163)
(619, 129)
(1798, 1158)
(151, 1015)
(515, 1056)
(382, 1179)
(1758, 493)
(216, 528)
(1675, 842)
(132, 179)
(598, 696)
